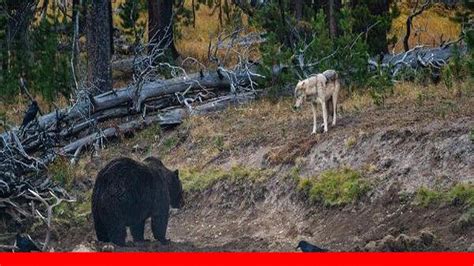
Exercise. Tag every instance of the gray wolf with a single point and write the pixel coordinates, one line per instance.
(127, 192)
(321, 88)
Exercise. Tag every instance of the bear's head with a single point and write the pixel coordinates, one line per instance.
(176, 190)
(171, 178)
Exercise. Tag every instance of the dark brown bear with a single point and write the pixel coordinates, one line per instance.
(127, 192)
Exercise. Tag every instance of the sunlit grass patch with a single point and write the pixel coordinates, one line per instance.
(199, 179)
(335, 187)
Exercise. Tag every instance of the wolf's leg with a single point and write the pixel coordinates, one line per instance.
(334, 107)
(329, 104)
(313, 107)
(325, 115)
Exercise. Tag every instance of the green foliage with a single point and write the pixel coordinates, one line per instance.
(51, 74)
(425, 197)
(469, 38)
(219, 141)
(465, 63)
(422, 76)
(447, 75)
(199, 180)
(129, 13)
(369, 13)
(61, 171)
(335, 187)
(460, 194)
(290, 40)
(380, 85)
(74, 213)
(170, 143)
(281, 56)
(151, 133)
(34, 55)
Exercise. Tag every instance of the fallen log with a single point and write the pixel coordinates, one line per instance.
(129, 97)
(170, 117)
(418, 57)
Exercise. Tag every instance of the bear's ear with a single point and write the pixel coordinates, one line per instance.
(176, 172)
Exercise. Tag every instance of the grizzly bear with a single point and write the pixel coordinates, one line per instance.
(127, 192)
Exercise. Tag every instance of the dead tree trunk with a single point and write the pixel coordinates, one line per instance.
(409, 22)
(99, 43)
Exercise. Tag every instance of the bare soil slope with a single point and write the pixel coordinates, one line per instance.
(241, 170)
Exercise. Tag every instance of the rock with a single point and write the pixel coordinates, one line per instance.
(108, 248)
(393, 230)
(371, 246)
(471, 248)
(425, 241)
(82, 248)
(427, 237)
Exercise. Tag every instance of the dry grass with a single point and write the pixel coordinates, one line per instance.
(194, 41)
(428, 27)
(264, 123)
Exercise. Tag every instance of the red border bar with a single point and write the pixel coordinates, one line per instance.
(241, 259)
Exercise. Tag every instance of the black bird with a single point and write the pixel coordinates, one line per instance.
(24, 243)
(307, 247)
(30, 114)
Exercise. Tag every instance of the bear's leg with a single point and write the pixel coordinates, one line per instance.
(137, 231)
(159, 224)
(117, 234)
(101, 230)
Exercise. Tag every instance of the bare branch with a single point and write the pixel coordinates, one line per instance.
(410, 18)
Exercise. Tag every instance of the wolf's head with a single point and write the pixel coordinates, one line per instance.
(300, 94)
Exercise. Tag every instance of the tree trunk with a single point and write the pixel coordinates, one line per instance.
(194, 14)
(111, 31)
(99, 44)
(333, 7)
(406, 38)
(160, 25)
(409, 21)
(298, 5)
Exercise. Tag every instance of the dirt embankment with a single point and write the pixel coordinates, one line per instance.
(398, 150)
